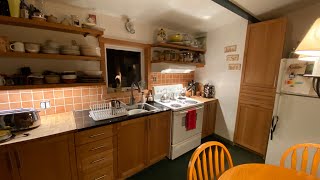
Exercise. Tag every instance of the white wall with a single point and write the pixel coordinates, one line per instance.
(114, 28)
(226, 82)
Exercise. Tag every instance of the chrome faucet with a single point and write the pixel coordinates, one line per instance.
(132, 100)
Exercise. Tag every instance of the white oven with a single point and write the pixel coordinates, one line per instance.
(183, 140)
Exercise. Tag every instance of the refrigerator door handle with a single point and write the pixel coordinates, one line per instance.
(274, 123)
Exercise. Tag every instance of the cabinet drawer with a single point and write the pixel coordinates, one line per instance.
(92, 135)
(95, 161)
(104, 173)
(95, 147)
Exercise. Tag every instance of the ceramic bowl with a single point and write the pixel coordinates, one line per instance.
(32, 47)
(93, 73)
(52, 79)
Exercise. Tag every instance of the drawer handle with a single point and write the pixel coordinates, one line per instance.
(94, 149)
(101, 177)
(98, 160)
(93, 136)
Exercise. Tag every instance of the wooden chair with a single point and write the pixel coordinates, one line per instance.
(304, 161)
(208, 158)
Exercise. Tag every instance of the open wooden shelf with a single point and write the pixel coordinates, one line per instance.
(44, 86)
(49, 56)
(178, 62)
(180, 47)
(48, 26)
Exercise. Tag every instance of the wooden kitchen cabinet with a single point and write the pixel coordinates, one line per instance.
(50, 158)
(132, 146)
(253, 126)
(7, 166)
(209, 118)
(158, 136)
(142, 142)
(263, 53)
(96, 153)
(264, 47)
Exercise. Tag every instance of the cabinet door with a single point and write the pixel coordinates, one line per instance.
(264, 47)
(158, 136)
(253, 125)
(132, 146)
(50, 159)
(209, 118)
(8, 170)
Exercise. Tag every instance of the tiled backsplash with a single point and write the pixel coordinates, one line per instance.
(166, 79)
(77, 98)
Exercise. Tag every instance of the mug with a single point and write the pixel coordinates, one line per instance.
(2, 81)
(17, 47)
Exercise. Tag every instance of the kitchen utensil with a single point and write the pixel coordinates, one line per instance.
(17, 47)
(52, 19)
(66, 21)
(52, 79)
(35, 79)
(75, 20)
(69, 77)
(90, 51)
(14, 6)
(32, 47)
(52, 44)
(20, 119)
(38, 18)
(208, 91)
(3, 44)
(2, 81)
(176, 38)
(93, 73)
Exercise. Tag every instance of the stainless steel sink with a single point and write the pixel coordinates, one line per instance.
(140, 108)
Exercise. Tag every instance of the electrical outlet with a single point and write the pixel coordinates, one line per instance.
(154, 78)
(45, 104)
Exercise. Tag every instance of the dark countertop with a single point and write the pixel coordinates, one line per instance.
(83, 121)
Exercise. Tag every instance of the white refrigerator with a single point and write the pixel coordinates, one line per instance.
(298, 110)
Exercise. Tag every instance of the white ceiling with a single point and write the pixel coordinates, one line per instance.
(266, 9)
(258, 7)
(189, 15)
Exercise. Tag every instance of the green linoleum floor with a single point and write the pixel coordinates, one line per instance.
(177, 169)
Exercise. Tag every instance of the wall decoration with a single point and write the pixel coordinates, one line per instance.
(130, 26)
(92, 18)
(233, 57)
(232, 48)
(234, 66)
(162, 35)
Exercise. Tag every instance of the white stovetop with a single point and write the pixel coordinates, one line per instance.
(178, 102)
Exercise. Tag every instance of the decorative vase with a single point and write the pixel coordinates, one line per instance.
(14, 6)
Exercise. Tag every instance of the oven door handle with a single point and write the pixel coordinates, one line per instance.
(185, 112)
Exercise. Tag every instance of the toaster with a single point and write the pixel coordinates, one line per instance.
(19, 119)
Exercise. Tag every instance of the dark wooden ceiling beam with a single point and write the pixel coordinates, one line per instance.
(237, 10)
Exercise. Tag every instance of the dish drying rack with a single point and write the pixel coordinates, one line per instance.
(108, 110)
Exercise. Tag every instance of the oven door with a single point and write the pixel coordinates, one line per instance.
(179, 131)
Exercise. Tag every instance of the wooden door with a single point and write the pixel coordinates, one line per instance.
(264, 47)
(209, 118)
(158, 136)
(253, 125)
(132, 146)
(8, 169)
(50, 159)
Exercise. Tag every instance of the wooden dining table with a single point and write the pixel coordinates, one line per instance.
(263, 172)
